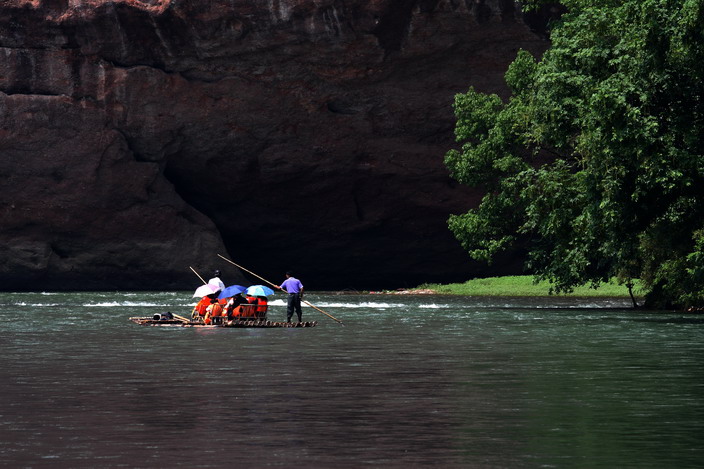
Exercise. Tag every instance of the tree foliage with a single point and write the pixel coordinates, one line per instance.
(597, 158)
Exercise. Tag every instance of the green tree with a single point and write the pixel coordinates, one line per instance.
(596, 160)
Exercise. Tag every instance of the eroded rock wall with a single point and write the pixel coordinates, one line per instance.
(140, 138)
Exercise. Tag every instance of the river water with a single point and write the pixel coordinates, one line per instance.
(408, 381)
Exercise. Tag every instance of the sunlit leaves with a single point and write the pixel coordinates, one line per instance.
(488, 137)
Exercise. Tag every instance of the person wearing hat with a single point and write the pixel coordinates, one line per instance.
(294, 288)
(216, 280)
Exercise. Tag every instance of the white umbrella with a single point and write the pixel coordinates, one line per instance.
(205, 290)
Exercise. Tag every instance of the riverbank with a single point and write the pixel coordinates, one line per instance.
(516, 286)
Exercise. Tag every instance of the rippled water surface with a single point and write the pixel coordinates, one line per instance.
(407, 382)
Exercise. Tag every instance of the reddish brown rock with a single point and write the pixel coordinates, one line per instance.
(139, 138)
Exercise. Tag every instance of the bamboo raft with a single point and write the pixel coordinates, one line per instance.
(262, 323)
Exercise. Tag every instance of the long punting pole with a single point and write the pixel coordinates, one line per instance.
(201, 278)
(204, 283)
(276, 286)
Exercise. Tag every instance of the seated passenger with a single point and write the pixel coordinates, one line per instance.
(199, 310)
(262, 306)
(249, 308)
(231, 307)
(213, 314)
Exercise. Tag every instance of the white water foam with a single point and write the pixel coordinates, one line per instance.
(35, 305)
(324, 304)
(110, 304)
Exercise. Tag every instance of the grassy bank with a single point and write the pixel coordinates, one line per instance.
(522, 286)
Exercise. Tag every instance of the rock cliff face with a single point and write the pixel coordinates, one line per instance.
(138, 138)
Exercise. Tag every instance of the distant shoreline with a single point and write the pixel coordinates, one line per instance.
(514, 286)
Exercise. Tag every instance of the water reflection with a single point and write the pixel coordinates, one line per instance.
(408, 382)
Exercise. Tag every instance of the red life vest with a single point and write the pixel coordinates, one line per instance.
(262, 306)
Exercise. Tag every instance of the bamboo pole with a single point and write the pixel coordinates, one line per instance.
(201, 278)
(204, 283)
(279, 288)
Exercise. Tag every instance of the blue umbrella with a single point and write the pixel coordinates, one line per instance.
(232, 290)
(259, 290)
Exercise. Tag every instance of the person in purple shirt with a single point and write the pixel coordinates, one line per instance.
(294, 288)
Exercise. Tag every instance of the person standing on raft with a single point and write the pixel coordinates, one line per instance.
(294, 288)
(216, 281)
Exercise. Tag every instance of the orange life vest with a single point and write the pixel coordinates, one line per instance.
(202, 306)
(246, 310)
(214, 310)
(243, 311)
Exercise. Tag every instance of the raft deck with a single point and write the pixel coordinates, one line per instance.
(241, 323)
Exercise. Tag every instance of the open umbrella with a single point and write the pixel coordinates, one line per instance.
(232, 290)
(205, 290)
(259, 290)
